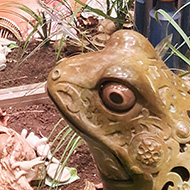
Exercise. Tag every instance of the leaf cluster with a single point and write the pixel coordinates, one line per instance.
(186, 39)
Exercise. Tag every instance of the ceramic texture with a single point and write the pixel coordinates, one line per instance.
(133, 112)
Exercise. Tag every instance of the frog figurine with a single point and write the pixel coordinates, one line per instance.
(133, 112)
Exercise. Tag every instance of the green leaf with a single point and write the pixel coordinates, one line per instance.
(101, 13)
(51, 183)
(184, 74)
(163, 47)
(179, 54)
(97, 11)
(60, 46)
(13, 45)
(74, 15)
(174, 24)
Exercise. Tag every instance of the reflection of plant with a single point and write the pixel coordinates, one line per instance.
(175, 49)
(121, 8)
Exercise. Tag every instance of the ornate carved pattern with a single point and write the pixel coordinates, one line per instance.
(148, 152)
(148, 143)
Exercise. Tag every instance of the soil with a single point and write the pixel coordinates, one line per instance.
(41, 118)
(34, 69)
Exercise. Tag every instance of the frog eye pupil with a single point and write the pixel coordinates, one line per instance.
(116, 98)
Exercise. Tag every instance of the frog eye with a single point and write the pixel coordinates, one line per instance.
(117, 97)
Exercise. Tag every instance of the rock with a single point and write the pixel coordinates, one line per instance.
(56, 171)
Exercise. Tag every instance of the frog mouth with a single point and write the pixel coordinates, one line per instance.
(109, 165)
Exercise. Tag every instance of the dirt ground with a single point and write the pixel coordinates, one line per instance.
(41, 118)
(34, 69)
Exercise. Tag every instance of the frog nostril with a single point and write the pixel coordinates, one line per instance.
(56, 74)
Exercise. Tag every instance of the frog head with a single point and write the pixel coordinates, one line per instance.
(133, 112)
